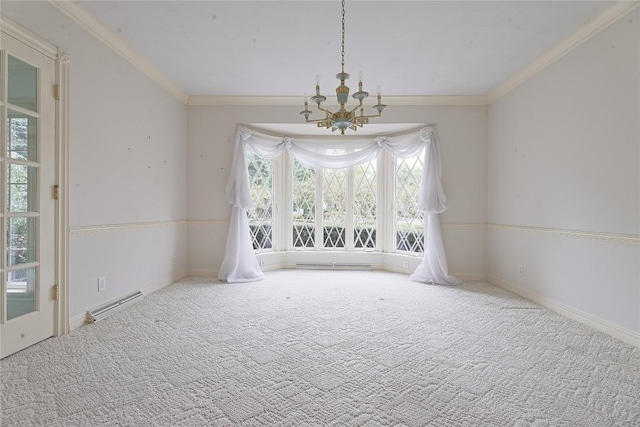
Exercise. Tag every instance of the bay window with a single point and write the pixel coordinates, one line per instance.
(335, 209)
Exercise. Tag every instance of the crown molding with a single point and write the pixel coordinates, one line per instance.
(93, 26)
(106, 36)
(472, 100)
(584, 33)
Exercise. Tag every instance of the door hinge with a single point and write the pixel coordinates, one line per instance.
(56, 292)
(56, 92)
(56, 192)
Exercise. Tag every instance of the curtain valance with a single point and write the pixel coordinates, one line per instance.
(240, 263)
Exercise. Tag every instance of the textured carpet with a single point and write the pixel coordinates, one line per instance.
(326, 348)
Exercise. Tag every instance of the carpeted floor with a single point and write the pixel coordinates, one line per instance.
(326, 348)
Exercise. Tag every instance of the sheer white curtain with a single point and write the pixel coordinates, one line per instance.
(240, 263)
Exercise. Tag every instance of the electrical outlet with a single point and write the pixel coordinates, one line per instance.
(102, 284)
(521, 270)
(261, 262)
(333, 260)
(405, 264)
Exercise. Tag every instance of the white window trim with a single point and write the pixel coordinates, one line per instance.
(282, 216)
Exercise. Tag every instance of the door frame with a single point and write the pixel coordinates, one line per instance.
(61, 94)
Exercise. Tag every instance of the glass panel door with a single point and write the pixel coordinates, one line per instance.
(21, 210)
(27, 161)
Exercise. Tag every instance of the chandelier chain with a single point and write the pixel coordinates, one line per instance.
(345, 117)
(343, 35)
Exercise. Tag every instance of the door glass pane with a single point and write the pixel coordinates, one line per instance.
(22, 136)
(21, 291)
(21, 240)
(21, 188)
(23, 84)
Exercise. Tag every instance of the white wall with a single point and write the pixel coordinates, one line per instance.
(463, 139)
(127, 166)
(564, 155)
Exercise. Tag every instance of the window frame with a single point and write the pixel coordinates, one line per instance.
(386, 215)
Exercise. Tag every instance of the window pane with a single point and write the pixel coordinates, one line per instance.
(261, 185)
(22, 84)
(21, 191)
(21, 239)
(409, 222)
(364, 205)
(21, 291)
(304, 205)
(21, 136)
(334, 204)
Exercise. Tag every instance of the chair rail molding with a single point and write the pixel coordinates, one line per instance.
(631, 239)
(108, 228)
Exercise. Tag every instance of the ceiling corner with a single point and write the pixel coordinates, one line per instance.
(83, 18)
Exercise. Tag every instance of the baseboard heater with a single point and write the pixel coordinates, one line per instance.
(104, 311)
(331, 266)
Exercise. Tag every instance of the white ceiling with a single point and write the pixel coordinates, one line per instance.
(275, 48)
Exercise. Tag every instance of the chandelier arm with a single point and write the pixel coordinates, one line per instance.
(371, 116)
(325, 110)
(316, 120)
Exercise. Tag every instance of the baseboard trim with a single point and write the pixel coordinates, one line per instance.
(80, 320)
(470, 277)
(292, 265)
(202, 272)
(587, 319)
(465, 277)
(147, 290)
(77, 322)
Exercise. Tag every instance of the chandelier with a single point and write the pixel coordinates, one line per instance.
(342, 119)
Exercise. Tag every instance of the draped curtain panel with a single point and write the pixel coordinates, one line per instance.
(240, 263)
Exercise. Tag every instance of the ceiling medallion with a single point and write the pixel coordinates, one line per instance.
(342, 119)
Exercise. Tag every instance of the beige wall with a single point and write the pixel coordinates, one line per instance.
(558, 153)
(564, 155)
(127, 166)
(463, 140)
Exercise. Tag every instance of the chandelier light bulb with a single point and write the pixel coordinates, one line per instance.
(317, 79)
(360, 76)
(379, 90)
